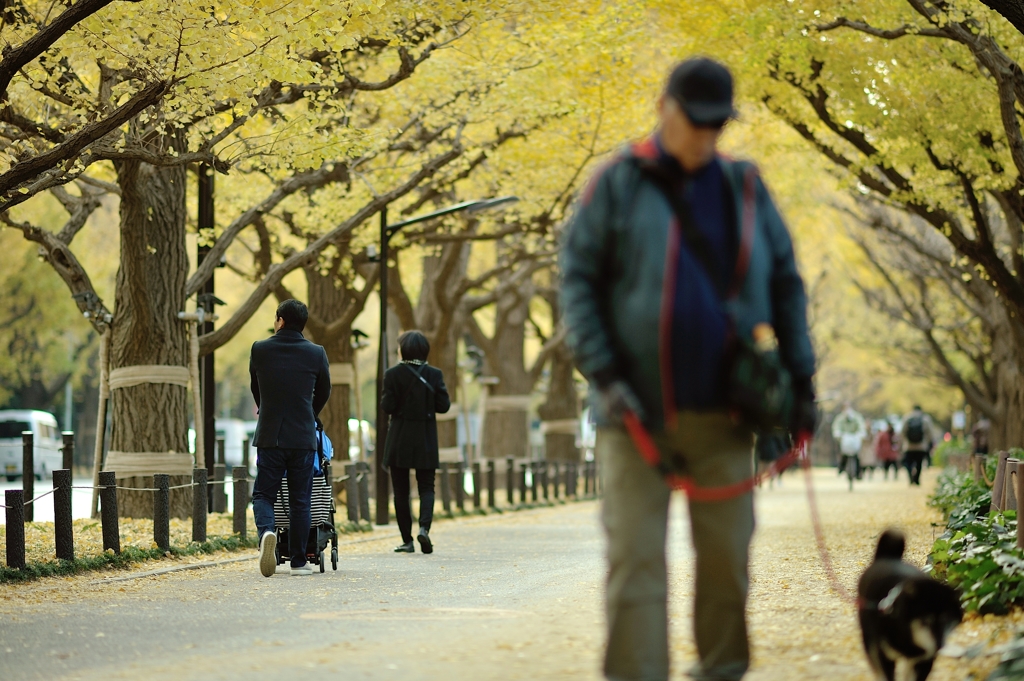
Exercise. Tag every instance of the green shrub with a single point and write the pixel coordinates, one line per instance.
(956, 445)
(960, 494)
(978, 555)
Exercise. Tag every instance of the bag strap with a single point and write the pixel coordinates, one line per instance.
(697, 241)
(419, 374)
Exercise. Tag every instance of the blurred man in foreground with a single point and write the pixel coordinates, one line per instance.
(674, 250)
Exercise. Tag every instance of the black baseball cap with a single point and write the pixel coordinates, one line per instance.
(703, 88)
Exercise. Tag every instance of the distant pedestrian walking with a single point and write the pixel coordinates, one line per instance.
(291, 382)
(887, 451)
(850, 431)
(652, 298)
(414, 393)
(918, 438)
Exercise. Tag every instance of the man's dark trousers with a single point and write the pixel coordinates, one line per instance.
(915, 461)
(271, 465)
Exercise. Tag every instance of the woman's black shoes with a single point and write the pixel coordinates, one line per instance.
(406, 548)
(424, 539)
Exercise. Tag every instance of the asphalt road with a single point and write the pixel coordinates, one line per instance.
(517, 596)
(492, 587)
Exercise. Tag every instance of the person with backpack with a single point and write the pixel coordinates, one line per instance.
(918, 440)
(675, 267)
(414, 393)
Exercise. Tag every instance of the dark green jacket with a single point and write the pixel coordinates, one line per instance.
(617, 263)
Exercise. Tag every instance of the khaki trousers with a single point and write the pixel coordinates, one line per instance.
(635, 516)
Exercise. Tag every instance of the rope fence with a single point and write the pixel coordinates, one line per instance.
(534, 481)
(17, 510)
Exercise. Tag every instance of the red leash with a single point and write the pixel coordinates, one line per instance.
(649, 451)
(644, 443)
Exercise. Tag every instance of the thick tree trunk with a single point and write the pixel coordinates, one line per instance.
(328, 302)
(438, 321)
(146, 330)
(506, 432)
(1008, 367)
(562, 404)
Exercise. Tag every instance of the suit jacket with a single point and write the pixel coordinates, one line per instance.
(412, 434)
(291, 381)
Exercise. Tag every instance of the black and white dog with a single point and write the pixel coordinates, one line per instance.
(905, 615)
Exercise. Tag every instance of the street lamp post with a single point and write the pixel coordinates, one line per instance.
(386, 232)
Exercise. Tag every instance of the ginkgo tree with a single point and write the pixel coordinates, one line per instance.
(233, 83)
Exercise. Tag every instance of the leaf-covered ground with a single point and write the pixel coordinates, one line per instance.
(506, 597)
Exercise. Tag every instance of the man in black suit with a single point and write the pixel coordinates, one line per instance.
(291, 382)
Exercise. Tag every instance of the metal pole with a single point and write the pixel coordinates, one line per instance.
(381, 476)
(208, 386)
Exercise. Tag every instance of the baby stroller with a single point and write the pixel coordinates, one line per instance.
(321, 529)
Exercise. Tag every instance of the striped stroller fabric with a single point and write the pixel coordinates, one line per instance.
(320, 504)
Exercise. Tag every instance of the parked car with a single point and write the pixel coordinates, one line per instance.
(47, 444)
(236, 434)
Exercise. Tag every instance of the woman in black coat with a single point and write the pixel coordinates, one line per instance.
(414, 392)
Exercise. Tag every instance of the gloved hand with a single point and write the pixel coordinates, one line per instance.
(615, 399)
(772, 445)
(805, 411)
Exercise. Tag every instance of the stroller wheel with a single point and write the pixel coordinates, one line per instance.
(323, 561)
(334, 559)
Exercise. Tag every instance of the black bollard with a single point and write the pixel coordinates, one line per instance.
(245, 453)
(28, 472)
(586, 479)
(108, 511)
(219, 489)
(14, 500)
(523, 490)
(352, 492)
(544, 479)
(535, 481)
(510, 480)
(446, 488)
(67, 449)
(240, 480)
(64, 534)
(556, 474)
(162, 511)
(460, 486)
(476, 485)
(491, 501)
(364, 490)
(200, 478)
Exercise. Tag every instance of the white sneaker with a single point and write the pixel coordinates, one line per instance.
(268, 559)
(306, 569)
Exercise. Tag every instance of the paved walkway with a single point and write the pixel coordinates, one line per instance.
(510, 597)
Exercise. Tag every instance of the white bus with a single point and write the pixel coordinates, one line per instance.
(47, 442)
